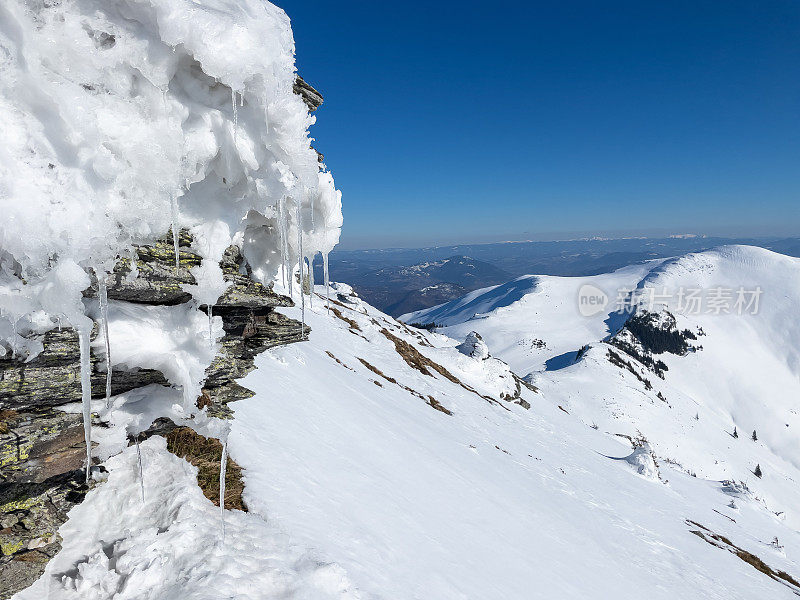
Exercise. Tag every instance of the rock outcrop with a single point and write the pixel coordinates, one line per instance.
(310, 96)
(647, 334)
(42, 447)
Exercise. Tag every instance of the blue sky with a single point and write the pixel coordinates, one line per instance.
(454, 122)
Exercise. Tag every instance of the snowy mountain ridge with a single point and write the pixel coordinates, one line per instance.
(683, 379)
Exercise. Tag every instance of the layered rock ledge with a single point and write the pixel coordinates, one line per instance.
(42, 447)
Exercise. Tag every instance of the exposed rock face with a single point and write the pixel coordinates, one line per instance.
(157, 280)
(41, 458)
(251, 326)
(313, 100)
(310, 96)
(42, 448)
(53, 377)
(31, 516)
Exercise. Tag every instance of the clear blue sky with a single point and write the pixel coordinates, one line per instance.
(465, 121)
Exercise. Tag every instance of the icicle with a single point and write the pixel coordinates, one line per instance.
(311, 281)
(102, 292)
(287, 273)
(312, 194)
(211, 326)
(235, 119)
(300, 262)
(325, 276)
(175, 231)
(86, 393)
(141, 469)
(223, 468)
(285, 222)
(282, 235)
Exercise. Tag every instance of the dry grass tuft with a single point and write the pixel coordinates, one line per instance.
(430, 400)
(720, 541)
(434, 403)
(349, 321)
(416, 360)
(377, 371)
(331, 354)
(206, 454)
(203, 400)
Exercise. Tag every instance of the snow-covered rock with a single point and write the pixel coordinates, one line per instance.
(474, 346)
(642, 460)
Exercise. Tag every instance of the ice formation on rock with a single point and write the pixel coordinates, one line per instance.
(141, 467)
(223, 469)
(110, 107)
(102, 293)
(86, 393)
(113, 109)
(642, 460)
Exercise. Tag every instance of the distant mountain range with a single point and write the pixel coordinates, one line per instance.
(402, 280)
(398, 289)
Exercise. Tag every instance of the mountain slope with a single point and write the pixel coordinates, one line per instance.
(735, 371)
(531, 319)
(380, 462)
(399, 289)
(486, 502)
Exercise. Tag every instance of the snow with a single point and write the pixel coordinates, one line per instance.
(488, 502)
(170, 339)
(116, 129)
(747, 374)
(474, 346)
(170, 547)
(360, 490)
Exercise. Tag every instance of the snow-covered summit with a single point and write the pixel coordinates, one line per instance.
(704, 346)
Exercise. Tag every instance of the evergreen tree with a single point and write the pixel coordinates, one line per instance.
(757, 472)
(735, 433)
(755, 437)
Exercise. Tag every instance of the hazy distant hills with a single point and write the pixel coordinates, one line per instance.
(402, 280)
(398, 289)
